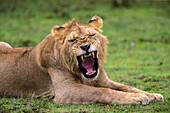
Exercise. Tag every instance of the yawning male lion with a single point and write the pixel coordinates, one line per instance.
(66, 64)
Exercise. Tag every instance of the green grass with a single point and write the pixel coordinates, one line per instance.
(145, 65)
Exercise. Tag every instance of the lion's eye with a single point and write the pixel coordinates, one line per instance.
(72, 40)
(91, 34)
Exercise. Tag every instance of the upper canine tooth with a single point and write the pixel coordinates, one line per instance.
(82, 58)
(94, 71)
(93, 54)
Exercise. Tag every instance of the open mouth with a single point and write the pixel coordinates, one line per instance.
(88, 64)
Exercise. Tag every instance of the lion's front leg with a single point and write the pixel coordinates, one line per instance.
(68, 90)
(153, 97)
(104, 81)
(82, 94)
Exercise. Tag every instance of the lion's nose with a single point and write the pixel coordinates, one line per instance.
(85, 47)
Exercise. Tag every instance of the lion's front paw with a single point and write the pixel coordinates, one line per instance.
(140, 99)
(154, 97)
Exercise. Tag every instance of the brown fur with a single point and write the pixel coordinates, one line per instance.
(51, 68)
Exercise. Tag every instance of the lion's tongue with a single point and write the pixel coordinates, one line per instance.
(88, 64)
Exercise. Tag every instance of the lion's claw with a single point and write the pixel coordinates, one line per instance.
(154, 97)
(141, 99)
(159, 97)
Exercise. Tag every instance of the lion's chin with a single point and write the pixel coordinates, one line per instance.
(88, 64)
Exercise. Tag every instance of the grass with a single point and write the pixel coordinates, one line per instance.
(146, 65)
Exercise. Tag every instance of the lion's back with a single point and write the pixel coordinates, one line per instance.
(4, 45)
(20, 74)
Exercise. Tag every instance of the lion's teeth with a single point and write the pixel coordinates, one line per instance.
(93, 54)
(87, 55)
(91, 73)
(82, 58)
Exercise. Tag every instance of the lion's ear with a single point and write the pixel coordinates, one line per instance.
(57, 30)
(96, 22)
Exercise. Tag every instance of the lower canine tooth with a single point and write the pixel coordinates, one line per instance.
(87, 73)
(93, 54)
(82, 58)
(94, 71)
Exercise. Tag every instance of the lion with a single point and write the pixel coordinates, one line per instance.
(68, 65)
(4, 45)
